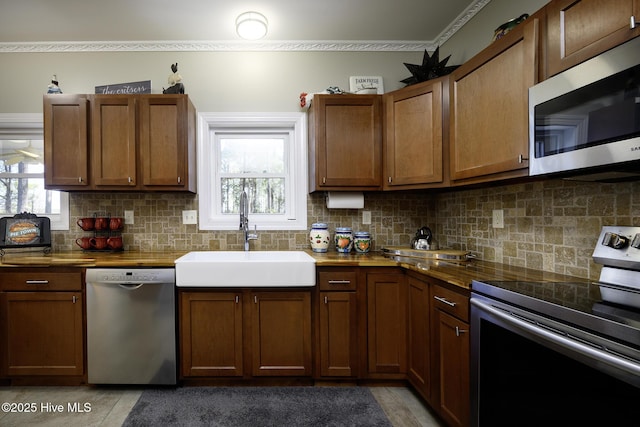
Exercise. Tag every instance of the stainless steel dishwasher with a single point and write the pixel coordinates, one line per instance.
(131, 326)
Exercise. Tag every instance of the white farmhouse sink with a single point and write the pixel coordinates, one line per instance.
(245, 269)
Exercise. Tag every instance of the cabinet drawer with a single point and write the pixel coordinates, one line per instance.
(452, 302)
(337, 280)
(35, 280)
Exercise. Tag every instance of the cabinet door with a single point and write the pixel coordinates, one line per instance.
(345, 138)
(113, 141)
(386, 323)
(166, 123)
(211, 334)
(413, 136)
(453, 343)
(281, 333)
(489, 132)
(419, 358)
(580, 29)
(338, 334)
(42, 333)
(66, 141)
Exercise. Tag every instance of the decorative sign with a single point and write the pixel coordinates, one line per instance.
(125, 88)
(366, 85)
(25, 230)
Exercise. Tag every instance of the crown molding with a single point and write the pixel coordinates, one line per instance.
(240, 46)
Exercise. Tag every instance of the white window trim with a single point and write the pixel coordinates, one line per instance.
(208, 123)
(25, 125)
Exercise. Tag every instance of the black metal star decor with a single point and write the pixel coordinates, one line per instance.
(431, 68)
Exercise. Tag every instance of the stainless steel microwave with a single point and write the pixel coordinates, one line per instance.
(585, 121)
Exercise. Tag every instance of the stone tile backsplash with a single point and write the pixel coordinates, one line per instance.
(551, 225)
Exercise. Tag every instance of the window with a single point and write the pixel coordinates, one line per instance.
(262, 154)
(22, 172)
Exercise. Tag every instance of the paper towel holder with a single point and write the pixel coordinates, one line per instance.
(345, 200)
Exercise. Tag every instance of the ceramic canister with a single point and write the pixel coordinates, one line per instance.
(319, 237)
(362, 241)
(344, 239)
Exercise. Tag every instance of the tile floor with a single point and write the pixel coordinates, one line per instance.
(109, 406)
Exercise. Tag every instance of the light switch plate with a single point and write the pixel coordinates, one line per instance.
(366, 217)
(189, 217)
(498, 218)
(128, 217)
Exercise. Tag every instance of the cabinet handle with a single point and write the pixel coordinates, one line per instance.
(339, 282)
(326, 300)
(237, 299)
(129, 179)
(255, 299)
(74, 299)
(522, 159)
(324, 179)
(37, 282)
(80, 179)
(444, 300)
(460, 331)
(632, 22)
(389, 179)
(179, 180)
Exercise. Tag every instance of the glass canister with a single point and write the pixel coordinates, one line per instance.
(319, 237)
(362, 241)
(344, 239)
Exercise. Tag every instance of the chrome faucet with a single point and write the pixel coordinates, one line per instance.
(244, 221)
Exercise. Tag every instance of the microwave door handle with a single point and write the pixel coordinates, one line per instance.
(565, 342)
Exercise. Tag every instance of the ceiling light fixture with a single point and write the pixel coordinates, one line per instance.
(251, 25)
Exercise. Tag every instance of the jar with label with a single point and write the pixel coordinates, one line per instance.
(344, 239)
(362, 241)
(319, 237)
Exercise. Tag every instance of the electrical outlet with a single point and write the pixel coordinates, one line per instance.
(366, 217)
(128, 217)
(498, 218)
(189, 217)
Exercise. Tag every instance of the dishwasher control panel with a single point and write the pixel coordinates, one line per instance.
(130, 276)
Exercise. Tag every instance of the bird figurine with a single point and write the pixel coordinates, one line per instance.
(175, 81)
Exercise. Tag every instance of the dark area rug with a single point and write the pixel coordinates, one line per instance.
(257, 406)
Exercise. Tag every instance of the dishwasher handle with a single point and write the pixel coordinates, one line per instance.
(131, 287)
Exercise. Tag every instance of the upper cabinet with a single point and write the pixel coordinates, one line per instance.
(66, 142)
(580, 29)
(120, 142)
(345, 142)
(413, 139)
(489, 136)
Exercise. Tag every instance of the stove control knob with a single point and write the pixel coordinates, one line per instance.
(614, 240)
(635, 243)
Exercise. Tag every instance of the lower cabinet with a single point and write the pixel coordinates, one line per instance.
(41, 324)
(245, 333)
(419, 336)
(386, 323)
(450, 331)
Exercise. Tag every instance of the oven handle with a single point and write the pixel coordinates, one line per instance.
(569, 343)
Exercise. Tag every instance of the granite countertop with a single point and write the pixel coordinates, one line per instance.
(456, 273)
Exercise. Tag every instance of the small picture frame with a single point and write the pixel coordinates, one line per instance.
(368, 85)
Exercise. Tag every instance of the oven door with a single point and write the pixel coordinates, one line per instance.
(528, 370)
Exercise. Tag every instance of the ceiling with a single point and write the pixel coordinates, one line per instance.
(377, 21)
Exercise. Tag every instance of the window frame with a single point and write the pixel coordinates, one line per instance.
(29, 126)
(295, 124)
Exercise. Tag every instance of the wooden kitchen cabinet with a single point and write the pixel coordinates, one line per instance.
(489, 131)
(386, 323)
(413, 143)
(337, 322)
(451, 373)
(66, 142)
(578, 30)
(41, 324)
(138, 142)
(211, 334)
(419, 364)
(345, 143)
(281, 333)
(243, 333)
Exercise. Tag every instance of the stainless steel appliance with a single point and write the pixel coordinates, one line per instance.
(131, 326)
(556, 353)
(585, 121)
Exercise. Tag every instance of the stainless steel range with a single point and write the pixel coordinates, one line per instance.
(558, 353)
